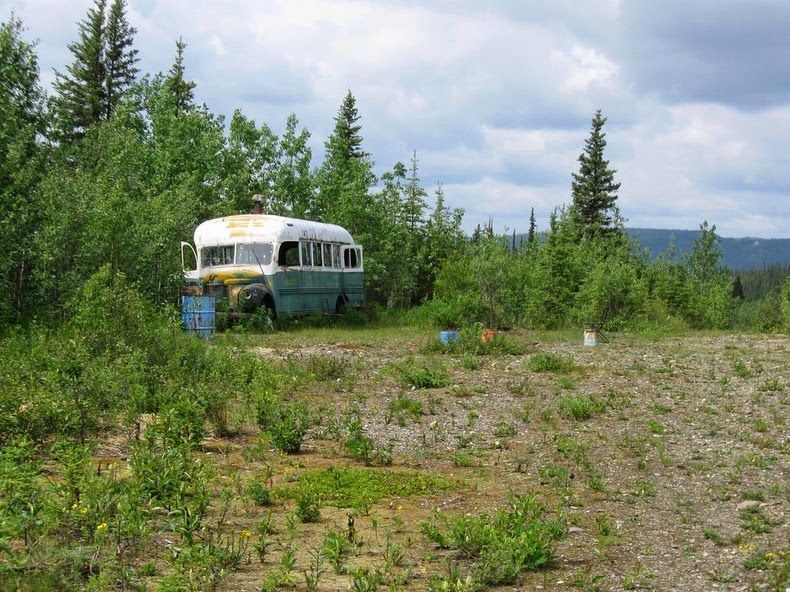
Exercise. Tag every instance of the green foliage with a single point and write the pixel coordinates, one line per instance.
(594, 190)
(516, 539)
(551, 363)
(336, 549)
(356, 487)
(259, 493)
(482, 285)
(101, 73)
(289, 426)
(402, 407)
(21, 105)
(579, 407)
(424, 375)
(308, 505)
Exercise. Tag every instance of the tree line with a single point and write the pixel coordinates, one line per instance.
(115, 168)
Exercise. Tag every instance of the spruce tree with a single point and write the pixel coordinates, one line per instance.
(101, 73)
(532, 227)
(414, 203)
(119, 57)
(79, 94)
(346, 141)
(346, 174)
(180, 89)
(594, 188)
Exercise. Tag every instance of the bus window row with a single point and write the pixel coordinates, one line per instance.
(290, 254)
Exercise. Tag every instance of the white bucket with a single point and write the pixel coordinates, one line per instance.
(590, 337)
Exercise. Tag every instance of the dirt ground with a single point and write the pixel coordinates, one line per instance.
(677, 481)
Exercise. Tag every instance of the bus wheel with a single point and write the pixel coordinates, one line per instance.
(340, 305)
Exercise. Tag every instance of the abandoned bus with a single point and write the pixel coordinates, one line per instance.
(291, 266)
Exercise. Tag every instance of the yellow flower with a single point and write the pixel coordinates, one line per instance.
(246, 534)
(83, 510)
(75, 506)
(102, 527)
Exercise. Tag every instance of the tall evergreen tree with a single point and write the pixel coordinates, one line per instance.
(101, 73)
(594, 189)
(346, 141)
(180, 89)
(414, 202)
(346, 175)
(79, 94)
(119, 56)
(532, 227)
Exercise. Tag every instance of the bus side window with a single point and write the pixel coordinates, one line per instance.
(354, 262)
(317, 254)
(347, 258)
(306, 261)
(336, 256)
(327, 255)
(289, 254)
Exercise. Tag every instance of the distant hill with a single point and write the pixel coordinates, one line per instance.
(737, 253)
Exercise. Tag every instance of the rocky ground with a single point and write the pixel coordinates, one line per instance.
(668, 458)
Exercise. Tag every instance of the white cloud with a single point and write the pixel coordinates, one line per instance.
(495, 97)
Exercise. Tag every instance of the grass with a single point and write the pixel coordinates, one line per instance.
(579, 407)
(402, 407)
(355, 487)
(552, 363)
(423, 375)
(501, 545)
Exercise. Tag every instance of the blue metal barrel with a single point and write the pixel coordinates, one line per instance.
(198, 315)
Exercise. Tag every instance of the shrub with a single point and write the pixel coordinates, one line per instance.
(551, 363)
(402, 406)
(327, 367)
(289, 427)
(259, 493)
(308, 505)
(504, 544)
(579, 407)
(423, 376)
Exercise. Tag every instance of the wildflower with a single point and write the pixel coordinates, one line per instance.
(101, 528)
(245, 534)
(83, 510)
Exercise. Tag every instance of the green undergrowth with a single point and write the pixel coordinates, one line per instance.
(501, 545)
(552, 363)
(358, 487)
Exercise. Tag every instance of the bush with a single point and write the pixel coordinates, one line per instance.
(504, 544)
(289, 427)
(259, 493)
(551, 363)
(308, 505)
(423, 376)
(579, 407)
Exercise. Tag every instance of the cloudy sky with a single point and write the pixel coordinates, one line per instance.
(496, 97)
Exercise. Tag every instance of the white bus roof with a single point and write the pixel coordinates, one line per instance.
(266, 228)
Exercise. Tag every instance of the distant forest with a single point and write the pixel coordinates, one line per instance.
(737, 253)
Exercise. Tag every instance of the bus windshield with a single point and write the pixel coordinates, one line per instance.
(213, 256)
(255, 254)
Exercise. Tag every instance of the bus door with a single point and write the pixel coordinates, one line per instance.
(352, 273)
